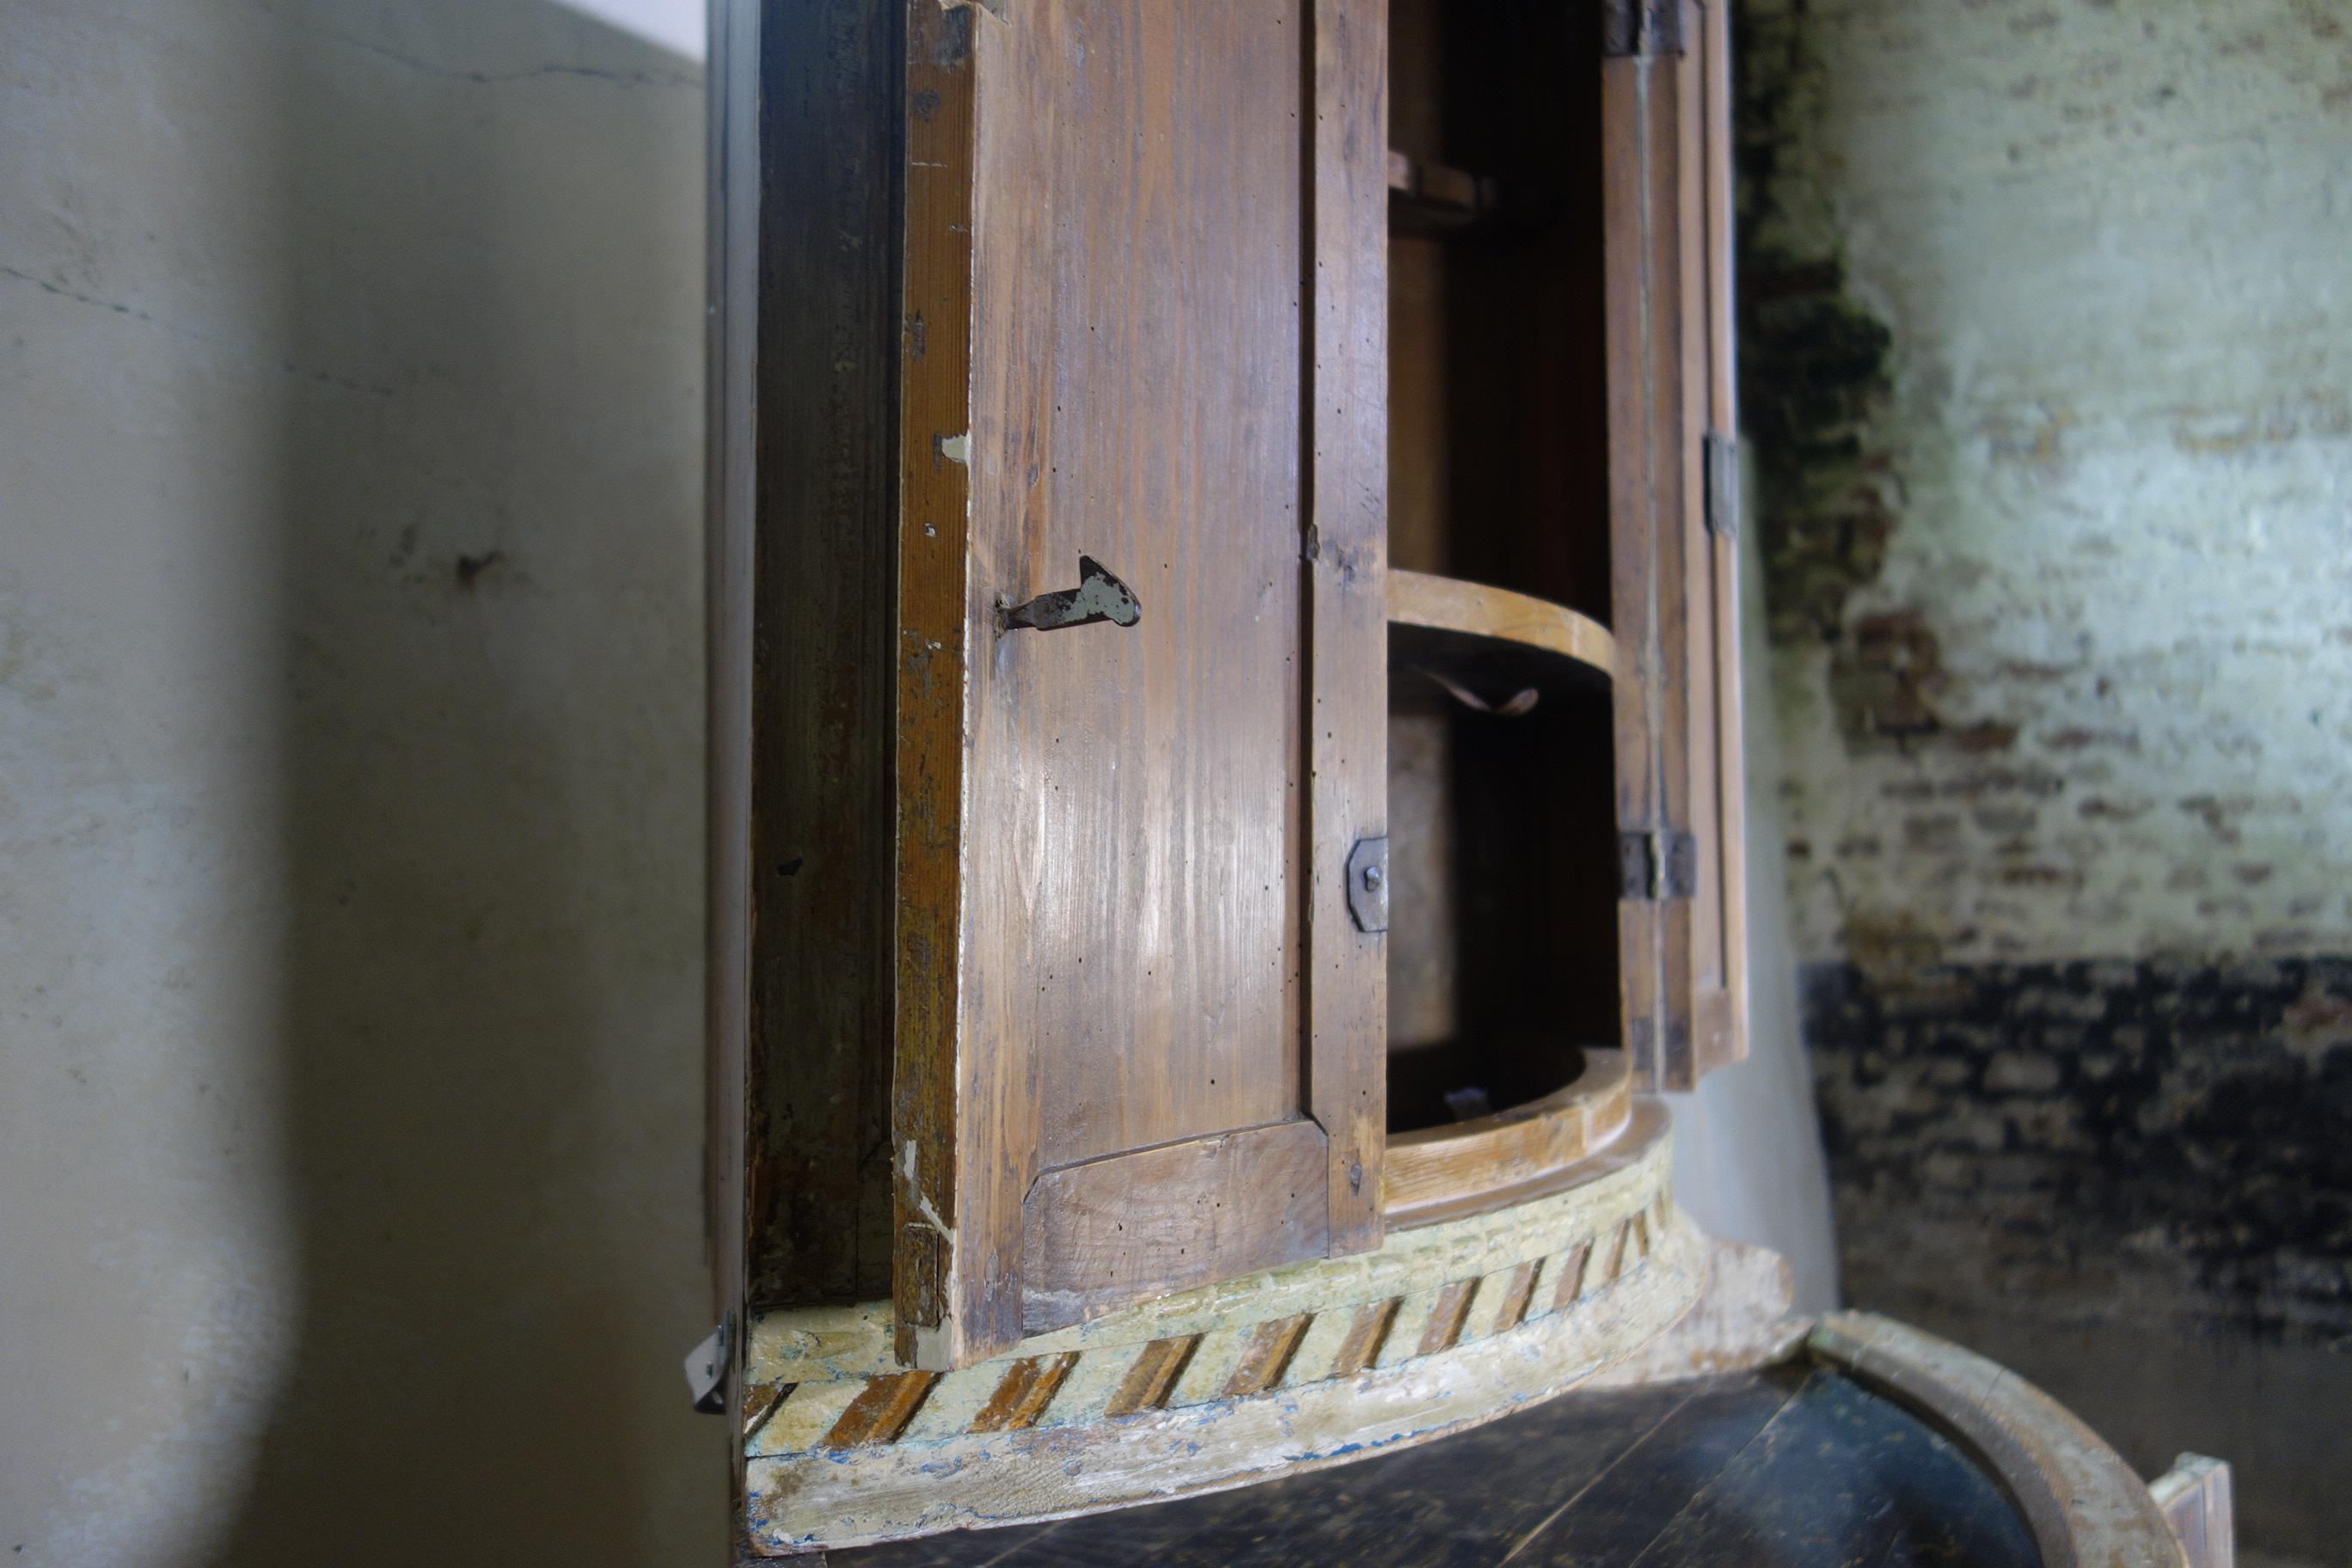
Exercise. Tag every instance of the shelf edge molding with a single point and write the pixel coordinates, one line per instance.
(1451, 605)
(1471, 1167)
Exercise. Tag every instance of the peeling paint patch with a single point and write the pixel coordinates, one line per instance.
(910, 1184)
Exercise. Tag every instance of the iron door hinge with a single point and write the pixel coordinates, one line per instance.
(1654, 865)
(1641, 27)
(1722, 485)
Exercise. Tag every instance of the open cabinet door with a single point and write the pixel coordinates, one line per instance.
(1674, 481)
(1056, 561)
(1138, 1021)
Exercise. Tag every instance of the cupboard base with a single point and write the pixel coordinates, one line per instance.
(1445, 1326)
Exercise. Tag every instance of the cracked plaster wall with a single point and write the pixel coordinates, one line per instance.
(349, 787)
(2047, 335)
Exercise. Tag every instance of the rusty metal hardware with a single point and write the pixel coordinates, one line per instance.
(1640, 28)
(1099, 597)
(1368, 884)
(1656, 865)
(1722, 485)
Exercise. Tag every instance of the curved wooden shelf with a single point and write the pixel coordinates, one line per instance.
(1473, 609)
(1445, 1173)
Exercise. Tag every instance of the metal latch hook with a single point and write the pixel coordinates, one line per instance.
(1099, 597)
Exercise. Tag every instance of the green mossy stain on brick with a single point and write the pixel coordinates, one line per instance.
(1814, 367)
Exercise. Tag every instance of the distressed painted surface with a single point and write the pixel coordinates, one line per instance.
(2047, 327)
(2049, 354)
(1319, 1361)
(349, 787)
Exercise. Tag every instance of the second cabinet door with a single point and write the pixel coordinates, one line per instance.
(1139, 1017)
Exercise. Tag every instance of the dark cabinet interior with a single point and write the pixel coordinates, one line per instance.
(1503, 941)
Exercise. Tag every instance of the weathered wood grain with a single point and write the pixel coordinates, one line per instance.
(1665, 139)
(1445, 1170)
(1028, 1387)
(1722, 1029)
(881, 1411)
(822, 1344)
(1142, 322)
(1671, 696)
(2085, 1506)
(1367, 1331)
(1344, 544)
(1171, 1217)
(730, 474)
(2196, 1499)
(803, 495)
(1272, 1344)
(957, 1195)
(1448, 604)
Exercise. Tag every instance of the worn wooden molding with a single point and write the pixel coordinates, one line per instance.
(2196, 1499)
(1742, 1321)
(2084, 1504)
(1314, 1363)
(1447, 1173)
(1451, 604)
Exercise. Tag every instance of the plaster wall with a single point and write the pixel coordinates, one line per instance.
(2047, 326)
(350, 787)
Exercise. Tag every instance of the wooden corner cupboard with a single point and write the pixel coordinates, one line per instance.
(1224, 728)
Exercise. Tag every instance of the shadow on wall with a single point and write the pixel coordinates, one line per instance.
(490, 296)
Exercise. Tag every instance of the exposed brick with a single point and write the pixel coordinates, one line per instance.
(2201, 1120)
(2014, 1073)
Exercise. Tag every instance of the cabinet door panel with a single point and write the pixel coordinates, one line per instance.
(1682, 918)
(1119, 845)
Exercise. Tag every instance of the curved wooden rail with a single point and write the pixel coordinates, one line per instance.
(1445, 1173)
(1451, 605)
(2085, 1507)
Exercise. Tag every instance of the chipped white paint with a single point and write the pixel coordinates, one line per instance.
(912, 1188)
(886, 1492)
(809, 1344)
(956, 449)
(939, 1473)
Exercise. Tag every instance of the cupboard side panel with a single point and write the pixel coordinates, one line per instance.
(955, 1216)
(1346, 551)
(1684, 748)
(801, 597)
(1702, 669)
(1635, 608)
(1730, 861)
(733, 301)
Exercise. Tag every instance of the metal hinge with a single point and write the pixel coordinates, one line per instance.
(1722, 484)
(1641, 27)
(1656, 865)
(707, 1366)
